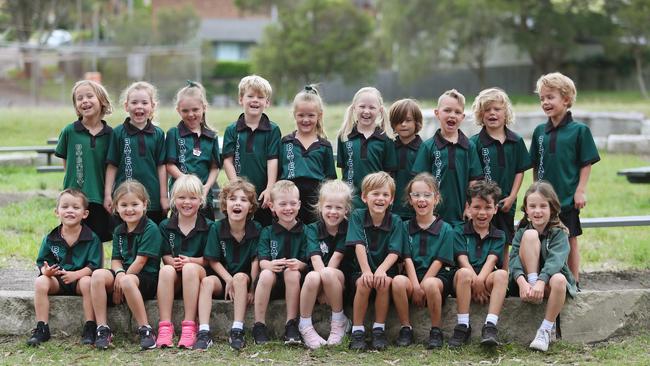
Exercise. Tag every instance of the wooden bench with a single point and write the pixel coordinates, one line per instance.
(49, 150)
(636, 175)
(621, 221)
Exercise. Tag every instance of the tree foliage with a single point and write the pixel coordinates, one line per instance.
(22, 19)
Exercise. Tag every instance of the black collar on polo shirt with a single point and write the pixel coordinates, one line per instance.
(199, 225)
(297, 228)
(441, 142)
(377, 133)
(493, 232)
(79, 127)
(86, 234)
(433, 229)
(488, 140)
(315, 145)
(250, 231)
(322, 230)
(139, 229)
(132, 130)
(413, 145)
(386, 223)
(264, 125)
(183, 131)
(565, 121)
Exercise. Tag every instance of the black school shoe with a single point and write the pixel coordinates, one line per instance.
(203, 340)
(104, 337)
(292, 333)
(236, 339)
(147, 337)
(379, 340)
(260, 333)
(489, 335)
(358, 341)
(461, 335)
(39, 335)
(405, 337)
(89, 332)
(435, 338)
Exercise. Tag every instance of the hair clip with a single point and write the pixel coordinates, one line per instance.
(192, 84)
(309, 88)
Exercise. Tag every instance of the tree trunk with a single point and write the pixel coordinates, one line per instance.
(638, 60)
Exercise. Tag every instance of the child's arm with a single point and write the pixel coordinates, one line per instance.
(380, 274)
(418, 295)
(335, 260)
(229, 168)
(162, 181)
(118, 268)
(362, 259)
(433, 270)
(478, 284)
(272, 176)
(516, 185)
(580, 198)
(173, 170)
(255, 271)
(70, 276)
(109, 181)
(168, 260)
(138, 264)
(212, 177)
(222, 272)
(317, 263)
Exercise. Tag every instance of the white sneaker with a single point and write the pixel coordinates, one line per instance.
(542, 340)
(338, 331)
(311, 338)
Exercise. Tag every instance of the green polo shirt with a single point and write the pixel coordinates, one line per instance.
(379, 241)
(235, 256)
(554, 253)
(427, 245)
(315, 162)
(146, 240)
(501, 162)
(176, 243)
(453, 166)
(359, 157)
(85, 156)
(469, 242)
(321, 243)
(558, 154)
(276, 242)
(137, 154)
(405, 154)
(191, 153)
(251, 150)
(86, 251)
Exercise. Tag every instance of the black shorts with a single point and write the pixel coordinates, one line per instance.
(69, 289)
(447, 279)
(308, 189)
(263, 216)
(100, 221)
(156, 216)
(571, 219)
(207, 211)
(505, 222)
(148, 284)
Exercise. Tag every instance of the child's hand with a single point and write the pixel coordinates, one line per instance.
(479, 292)
(251, 298)
(579, 199)
(265, 196)
(118, 296)
(68, 277)
(293, 264)
(278, 265)
(418, 296)
(536, 292)
(506, 204)
(49, 271)
(524, 290)
(368, 279)
(108, 203)
(380, 279)
(164, 204)
(229, 291)
(177, 263)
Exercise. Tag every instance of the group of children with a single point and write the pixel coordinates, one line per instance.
(411, 220)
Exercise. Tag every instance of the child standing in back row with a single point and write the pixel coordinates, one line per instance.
(563, 151)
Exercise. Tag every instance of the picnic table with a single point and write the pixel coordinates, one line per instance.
(636, 175)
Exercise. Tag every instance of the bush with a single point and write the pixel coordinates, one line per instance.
(231, 69)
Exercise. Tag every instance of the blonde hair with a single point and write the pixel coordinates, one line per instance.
(130, 186)
(377, 180)
(194, 90)
(142, 85)
(74, 192)
(455, 94)
(257, 84)
(488, 97)
(430, 181)
(545, 189)
(189, 184)
(234, 185)
(559, 82)
(331, 188)
(310, 94)
(100, 93)
(284, 186)
(400, 110)
(349, 119)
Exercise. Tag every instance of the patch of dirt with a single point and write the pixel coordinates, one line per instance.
(617, 280)
(9, 198)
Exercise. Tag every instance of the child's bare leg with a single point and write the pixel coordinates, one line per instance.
(433, 289)
(133, 297)
(556, 297)
(402, 290)
(360, 303)
(497, 284)
(309, 293)
(463, 287)
(192, 276)
(529, 251)
(83, 289)
(240, 283)
(44, 286)
(382, 302)
(167, 283)
(263, 293)
(210, 285)
(101, 284)
(292, 293)
(332, 282)
(574, 258)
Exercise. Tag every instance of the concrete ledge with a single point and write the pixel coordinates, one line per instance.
(593, 316)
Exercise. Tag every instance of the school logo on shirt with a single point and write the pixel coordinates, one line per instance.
(172, 237)
(56, 250)
(291, 167)
(437, 163)
(223, 248)
(182, 149)
(274, 249)
(128, 164)
(324, 248)
(120, 244)
(350, 163)
(540, 169)
(237, 158)
(79, 164)
(487, 171)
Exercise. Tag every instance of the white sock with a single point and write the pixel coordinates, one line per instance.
(304, 323)
(463, 319)
(338, 316)
(532, 278)
(379, 325)
(204, 327)
(492, 318)
(546, 325)
(237, 325)
(358, 327)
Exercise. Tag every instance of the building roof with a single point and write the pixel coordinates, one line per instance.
(233, 30)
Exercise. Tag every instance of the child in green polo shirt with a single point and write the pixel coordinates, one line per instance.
(192, 147)
(232, 254)
(538, 259)
(378, 238)
(251, 145)
(134, 265)
(83, 145)
(185, 235)
(306, 156)
(406, 120)
(563, 151)
(68, 256)
(429, 261)
(365, 142)
(326, 249)
(479, 253)
(502, 154)
(137, 151)
(450, 157)
(283, 261)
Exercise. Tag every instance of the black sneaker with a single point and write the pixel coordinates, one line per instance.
(358, 341)
(435, 338)
(379, 341)
(578, 289)
(291, 332)
(461, 335)
(40, 334)
(260, 333)
(104, 337)
(236, 338)
(405, 337)
(147, 337)
(89, 332)
(203, 340)
(489, 335)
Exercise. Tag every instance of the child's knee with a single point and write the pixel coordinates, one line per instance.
(400, 283)
(500, 276)
(558, 281)
(191, 270)
(167, 273)
(42, 284)
(530, 235)
(292, 278)
(464, 276)
(313, 279)
(240, 279)
(267, 278)
(207, 283)
(84, 285)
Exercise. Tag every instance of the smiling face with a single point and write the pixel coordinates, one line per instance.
(131, 209)
(307, 115)
(191, 110)
(378, 200)
(538, 210)
(333, 210)
(139, 106)
(254, 103)
(406, 129)
(481, 211)
(285, 205)
(238, 206)
(553, 103)
(86, 102)
(366, 110)
(450, 113)
(187, 204)
(71, 210)
(494, 116)
(422, 199)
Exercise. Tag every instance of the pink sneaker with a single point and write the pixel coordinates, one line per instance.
(188, 334)
(339, 328)
(311, 338)
(165, 335)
